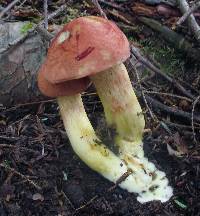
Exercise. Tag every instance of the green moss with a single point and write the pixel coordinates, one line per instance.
(26, 27)
(73, 13)
(171, 62)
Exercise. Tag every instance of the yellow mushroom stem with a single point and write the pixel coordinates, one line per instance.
(144, 179)
(121, 106)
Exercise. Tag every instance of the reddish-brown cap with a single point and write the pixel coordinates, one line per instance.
(61, 89)
(85, 46)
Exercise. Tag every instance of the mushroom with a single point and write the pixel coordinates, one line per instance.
(96, 47)
(82, 49)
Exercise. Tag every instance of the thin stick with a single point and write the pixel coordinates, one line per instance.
(68, 200)
(193, 108)
(153, 116)
(96, 3)
(5, 10)
(172, 124)
(192, 23)
(112, 5)
(46, 14)
(168, 94)
(188, 13)
(21, 175)
(84, 94)
(173, 111)
(22, 148)
(21, 4)
(57, 12)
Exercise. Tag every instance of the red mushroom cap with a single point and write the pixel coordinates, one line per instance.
(85, 46)
(61, 89)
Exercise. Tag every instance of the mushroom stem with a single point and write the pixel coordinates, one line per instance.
(144, 179)
(84, 141)
(121, 107)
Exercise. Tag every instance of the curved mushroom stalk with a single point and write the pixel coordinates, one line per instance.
(98, 157)
(84, 141)
(121, 107)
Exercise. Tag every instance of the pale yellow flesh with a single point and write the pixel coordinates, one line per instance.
(97, 156)
(84, 141)
(121, 106)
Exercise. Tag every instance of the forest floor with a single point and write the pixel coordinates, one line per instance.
(41, 175)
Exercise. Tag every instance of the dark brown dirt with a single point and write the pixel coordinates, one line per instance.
(33, 143)
(41, 176)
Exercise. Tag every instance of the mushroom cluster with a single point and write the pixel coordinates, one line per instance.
(93, 49)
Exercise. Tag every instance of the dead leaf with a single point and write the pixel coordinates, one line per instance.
(176, 145)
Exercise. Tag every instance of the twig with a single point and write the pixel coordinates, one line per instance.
(56, 12)
(193, 25)
(176, 125)
(29, 104)
(5, 10)
(46, 14)
(193, 108)
(85, 205)
(96, 3)
(153, 116)
(84, 94)
(173, 111)
(68, 200)
(21, 175)
(22, 148)
(21, 4)
(112, 5)
(188, 13)
(149, 65)
(121, 179)
(168, 94)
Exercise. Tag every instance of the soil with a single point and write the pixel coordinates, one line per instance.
(53, 181)
(40, 175)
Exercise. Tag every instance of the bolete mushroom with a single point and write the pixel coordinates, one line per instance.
(82, 49)
(96, 47)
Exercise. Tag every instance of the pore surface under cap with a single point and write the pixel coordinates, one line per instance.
(66, 88)
(85, 46)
